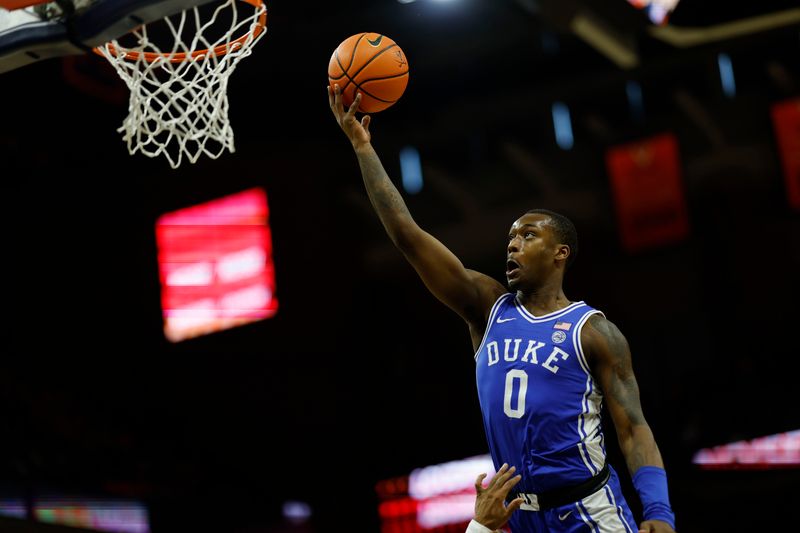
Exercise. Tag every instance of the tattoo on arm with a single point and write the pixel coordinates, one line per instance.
(613, 363)
(383, 195)
(468, 293)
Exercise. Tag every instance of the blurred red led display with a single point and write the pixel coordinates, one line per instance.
(434, 499)
(215, 265)
(781, 450)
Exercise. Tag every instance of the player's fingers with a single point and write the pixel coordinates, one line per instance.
(509, 484)
(337, 100)
(330, 96)
(513, 506)
(479, 483)
(503, 477)
(497, 475)
(365, 124)
(354, 106)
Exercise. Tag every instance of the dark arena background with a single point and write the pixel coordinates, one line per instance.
(673, 144)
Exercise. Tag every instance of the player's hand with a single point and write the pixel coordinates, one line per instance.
(490, 507)
(655, 526)
(357, 132)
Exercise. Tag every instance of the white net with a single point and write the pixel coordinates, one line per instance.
(178, 104)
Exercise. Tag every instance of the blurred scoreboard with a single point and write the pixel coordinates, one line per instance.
(215, 265)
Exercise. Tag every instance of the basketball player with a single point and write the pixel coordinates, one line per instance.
(544, 364)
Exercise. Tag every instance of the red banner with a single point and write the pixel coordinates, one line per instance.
(786, 120)
(648, 192)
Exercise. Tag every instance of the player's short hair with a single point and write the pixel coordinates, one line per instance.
(564, 230)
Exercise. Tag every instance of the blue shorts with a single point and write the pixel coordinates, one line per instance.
(604, 511)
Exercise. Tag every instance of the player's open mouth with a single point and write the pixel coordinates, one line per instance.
(512, 268)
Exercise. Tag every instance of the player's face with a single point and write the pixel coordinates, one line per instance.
(531, 251)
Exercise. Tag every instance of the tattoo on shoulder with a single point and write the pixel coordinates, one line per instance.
(614, 355)
(611, 336)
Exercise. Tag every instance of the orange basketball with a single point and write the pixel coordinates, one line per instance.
(372, 64)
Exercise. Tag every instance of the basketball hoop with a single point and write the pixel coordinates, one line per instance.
(179, 104)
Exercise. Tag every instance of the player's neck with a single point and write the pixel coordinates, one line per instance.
(545, 299)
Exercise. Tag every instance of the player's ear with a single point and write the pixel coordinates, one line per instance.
(562, 252)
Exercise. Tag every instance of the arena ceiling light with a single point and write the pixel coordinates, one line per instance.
(686, 37)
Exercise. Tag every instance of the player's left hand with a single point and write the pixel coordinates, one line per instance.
(655, 526)
(490, 508)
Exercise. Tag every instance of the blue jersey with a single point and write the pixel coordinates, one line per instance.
(540, 403)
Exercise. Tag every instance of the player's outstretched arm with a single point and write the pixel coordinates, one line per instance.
(610, 357)
(469, 293)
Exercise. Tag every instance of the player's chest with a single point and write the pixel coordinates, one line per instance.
(542, 355)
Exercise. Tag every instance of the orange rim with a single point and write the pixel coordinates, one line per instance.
(180, 57)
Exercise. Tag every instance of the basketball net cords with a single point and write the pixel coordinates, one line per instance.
(189, 110)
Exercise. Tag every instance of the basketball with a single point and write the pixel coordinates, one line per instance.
(372, 64)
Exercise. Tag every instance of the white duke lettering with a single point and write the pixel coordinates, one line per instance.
(529, 356)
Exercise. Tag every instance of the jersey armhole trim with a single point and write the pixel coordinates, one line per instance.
(585, 454)
(578, 344)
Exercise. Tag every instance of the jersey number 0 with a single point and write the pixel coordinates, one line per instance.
(519, 410)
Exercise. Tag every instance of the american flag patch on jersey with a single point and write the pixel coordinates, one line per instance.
(563, 325)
